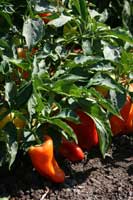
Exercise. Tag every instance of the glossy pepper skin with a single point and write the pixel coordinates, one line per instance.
(86, 131)
(127, 114)
(71, 151)
(43, 160)
(117, 125)
(124, 125)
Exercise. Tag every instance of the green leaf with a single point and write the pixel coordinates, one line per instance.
(121, 34)
(104, 66)
(71, 77)
(81, 7)
(126, 13)
(10, 92)
(7, 18)
(86, 46)
(4, 68)
(100, 117)
(104, 133)
(103, 79)
(31, 104)
(11, 143)
(102, 125)
(65, 127)
(44, 5)
(83, 59)
(127, 61)
(23, 95)
(83, 10)
(20, 63)
(76, 4)
(111, 53)
(33, 31)
(4, 43)
(117, 99)
(67, 114)
(60, 21)
(105, 103)
(67, 88)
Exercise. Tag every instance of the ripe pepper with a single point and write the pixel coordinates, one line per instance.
(127, 114)
(117, 125)
(124, 125)
(86, 131)
(129, 121)
(42, 157)
(45, 16)
(71, 150)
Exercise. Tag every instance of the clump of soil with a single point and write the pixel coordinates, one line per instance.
(94, 178)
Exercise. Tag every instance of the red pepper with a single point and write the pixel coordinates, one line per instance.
(127, 114)
(117, 125)
(86, 131)
(124, 125)
(129, 121)
(71, 150)
(43, 160)
(45, 16)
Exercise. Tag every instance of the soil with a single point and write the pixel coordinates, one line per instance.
(94, 178)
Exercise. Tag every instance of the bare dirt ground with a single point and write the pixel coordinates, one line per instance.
(94, 178)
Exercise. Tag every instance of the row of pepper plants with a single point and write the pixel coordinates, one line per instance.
(65, 82)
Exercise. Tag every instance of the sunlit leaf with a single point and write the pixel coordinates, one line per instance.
(10, 92)
(111, 53)
(121, 34)
(67, 114)
(33, 31)
(105, 80)
(11, 143)
(60, 21)
(86, 59)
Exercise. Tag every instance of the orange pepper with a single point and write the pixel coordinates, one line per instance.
(42, 157)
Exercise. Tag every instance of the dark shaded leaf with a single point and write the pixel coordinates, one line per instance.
(65, 127)
(23, 95)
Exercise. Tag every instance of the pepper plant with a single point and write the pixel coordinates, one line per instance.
(53, 64)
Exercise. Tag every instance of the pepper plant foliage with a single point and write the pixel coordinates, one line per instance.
(74, 52)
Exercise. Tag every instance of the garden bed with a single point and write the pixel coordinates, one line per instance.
(94, 178)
